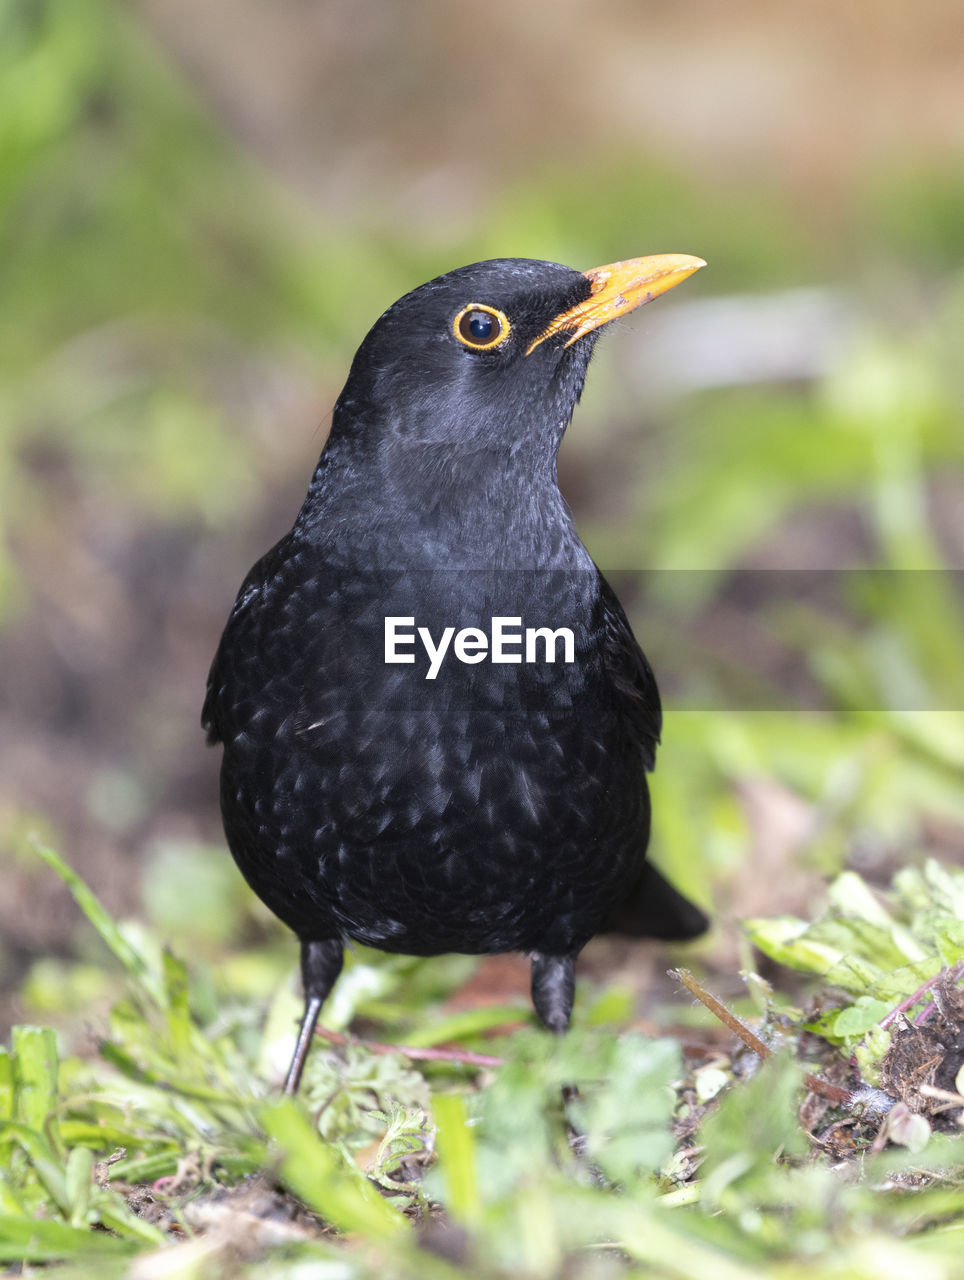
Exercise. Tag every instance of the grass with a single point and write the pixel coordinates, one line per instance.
(606, 1153)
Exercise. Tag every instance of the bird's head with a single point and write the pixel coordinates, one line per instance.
(492, 357)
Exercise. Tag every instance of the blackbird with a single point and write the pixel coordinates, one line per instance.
(436, 719)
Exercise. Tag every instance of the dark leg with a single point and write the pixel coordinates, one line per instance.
(320, 965)
(553, 989)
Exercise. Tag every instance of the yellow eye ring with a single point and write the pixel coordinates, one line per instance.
(480, 328)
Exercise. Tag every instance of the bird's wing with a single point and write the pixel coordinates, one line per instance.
(652, 908)
(209, 716)
(250, 590)
(208, 722)
(631, 676)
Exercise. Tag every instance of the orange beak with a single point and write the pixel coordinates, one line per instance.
(618, 289)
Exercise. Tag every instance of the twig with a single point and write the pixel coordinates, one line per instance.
(464, 1056)
(832, 1092)
(722, 1012)
(952, 975)
(925, 1013)
(909, 1002)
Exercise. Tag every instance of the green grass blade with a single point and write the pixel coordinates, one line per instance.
(117, 1217)
(131, 959)
(471, 1022)
(175, 978)
(43, 1158)
(318, 1174)
(6, 1085)
(36, 1066)
(456, 1145)
(10, 1201)
(79, 1184)
(43, 1240)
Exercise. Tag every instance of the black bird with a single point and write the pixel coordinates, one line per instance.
(493, 797)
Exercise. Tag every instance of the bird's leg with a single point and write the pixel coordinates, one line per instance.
(320, 965)
(553, 989)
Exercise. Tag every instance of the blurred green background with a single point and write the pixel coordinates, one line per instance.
(202, 210)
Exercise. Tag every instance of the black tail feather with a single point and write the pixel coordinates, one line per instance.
(654, 909)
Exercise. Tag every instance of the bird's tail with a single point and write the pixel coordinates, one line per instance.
(654, 909)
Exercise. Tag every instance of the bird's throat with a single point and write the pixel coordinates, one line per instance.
(479, 510)
(429, 506)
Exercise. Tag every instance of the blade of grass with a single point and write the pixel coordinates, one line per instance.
(470, 1023)
(316, 1173)
(79, 1184)
(6, 1085)
(43, 1159)
(129, 958)
(9, 1204)
(35, 1064)
(117, 1217)
(175, 979)
(126, 1065)
(43, 1240)
(456, 1145)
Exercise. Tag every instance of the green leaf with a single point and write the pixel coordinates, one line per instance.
(754, 1127)
(784, 939)
(851, 895)
(626, 1116)
(849, 1025)
(871, 1052)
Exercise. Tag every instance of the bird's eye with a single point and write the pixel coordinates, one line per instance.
(481, 327)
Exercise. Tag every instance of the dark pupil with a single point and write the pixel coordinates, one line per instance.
(479, 326)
